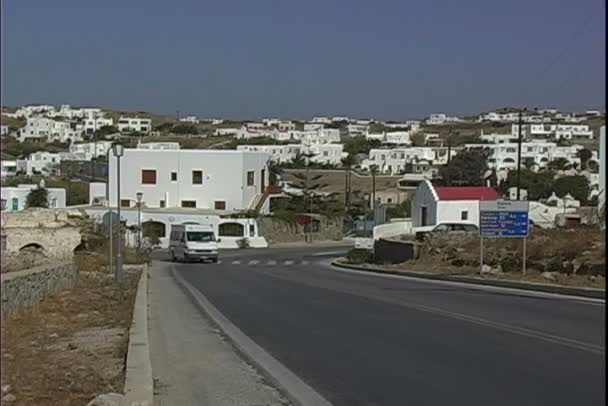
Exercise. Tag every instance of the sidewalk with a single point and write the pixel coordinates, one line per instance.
(192, 364)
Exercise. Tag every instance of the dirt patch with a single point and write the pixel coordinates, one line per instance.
(70, 347)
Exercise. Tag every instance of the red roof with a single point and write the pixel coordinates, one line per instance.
(466, 193)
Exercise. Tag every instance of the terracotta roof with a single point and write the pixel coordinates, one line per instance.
(466, 193)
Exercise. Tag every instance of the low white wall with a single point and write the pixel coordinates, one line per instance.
(393, 229)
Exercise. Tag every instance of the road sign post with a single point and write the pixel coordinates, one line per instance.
(503, 219)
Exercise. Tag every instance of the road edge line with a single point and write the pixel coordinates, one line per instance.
(294, 388)
(575, 293)
(139, 385)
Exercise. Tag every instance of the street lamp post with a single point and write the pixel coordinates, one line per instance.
(118, 150)
(3, 235)
(139, 195)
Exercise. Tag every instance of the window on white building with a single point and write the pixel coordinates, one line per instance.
(189, 203)
(197, 177)
(250, 178)
(173, 176)
(464, 215)
(148, 177)
(162, 203)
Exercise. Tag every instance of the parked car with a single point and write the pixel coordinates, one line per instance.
(456, 228)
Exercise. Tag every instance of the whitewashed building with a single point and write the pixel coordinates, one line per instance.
(3, 130)
(94, 124)
(435, 205)
(411, 159)
(50, 130)
(41, 163)
(158, 145)
(227, 131)
(330, 154)
(357, 129)
(321, 120)
(397, 138)
(533, 154)
(16, 197)
(314, 126)
(8, 167)
(189, 119)
(220, 180)
(277, 153)
(89, 150)
(134, 124)
(441, 118)
(495, 138)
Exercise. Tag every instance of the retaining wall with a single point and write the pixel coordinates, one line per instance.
(25, 288)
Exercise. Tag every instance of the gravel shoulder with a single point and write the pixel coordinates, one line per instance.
(192, 362)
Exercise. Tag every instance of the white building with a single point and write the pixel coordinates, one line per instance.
(339, 118)
(205, 179)
(411, 159)
(497, 138)
(602, 169)
(189, 119)
(329, 154)
(16, 197)
(533, 154)
(94, 124)
(227, 131)
(436, 205)
(314, 126)
(50, 130)
(321, 136)
(357, 129)
(499, 117)
(397, 138)
(89, 150)
(157, 222)
(441, 118)
(134, 124)
(321, 120)
(286, 126)
(32, 110)
(40, 163)
(158, 145)
(9, 167)
(3, 130)
(278, 153)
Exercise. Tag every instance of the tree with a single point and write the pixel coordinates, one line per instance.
(38, 197)
(105, 130)
(584, 155)
(577, 186)
(559, 164)
(538, 184)
(418, 139)
(184, 129)
(347, 164)
(466, 168)
(360, 145)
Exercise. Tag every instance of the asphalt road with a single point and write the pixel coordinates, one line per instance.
(367, 340)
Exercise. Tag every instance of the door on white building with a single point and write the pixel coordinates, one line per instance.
(263, 182)
(423, 214)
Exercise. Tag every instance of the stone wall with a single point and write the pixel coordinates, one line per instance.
(25, 288)
(53, 233)
(279, 231)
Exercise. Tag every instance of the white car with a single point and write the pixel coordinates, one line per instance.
(420, 232)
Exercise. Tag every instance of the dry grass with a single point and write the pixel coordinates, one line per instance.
(70, 347)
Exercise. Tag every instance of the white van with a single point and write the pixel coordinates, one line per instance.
(193, 242)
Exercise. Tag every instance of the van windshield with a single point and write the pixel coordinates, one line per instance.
(200, 236)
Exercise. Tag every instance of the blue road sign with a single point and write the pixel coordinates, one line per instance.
(503, 219)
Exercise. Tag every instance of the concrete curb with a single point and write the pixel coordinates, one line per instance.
(296, 390)
(139, 388)
(535, 287)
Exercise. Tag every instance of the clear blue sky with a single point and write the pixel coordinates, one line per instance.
(247, 59)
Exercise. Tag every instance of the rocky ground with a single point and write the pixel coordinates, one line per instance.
(70, 347)
(573, 257)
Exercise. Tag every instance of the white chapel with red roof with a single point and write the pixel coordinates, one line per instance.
(434, 205)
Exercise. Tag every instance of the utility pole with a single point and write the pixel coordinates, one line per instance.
(449, 181)
(519, 154)
(177, 115)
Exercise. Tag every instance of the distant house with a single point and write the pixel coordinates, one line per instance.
(16, 197)
(134, 124)
(434, 205)
(3, 130)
